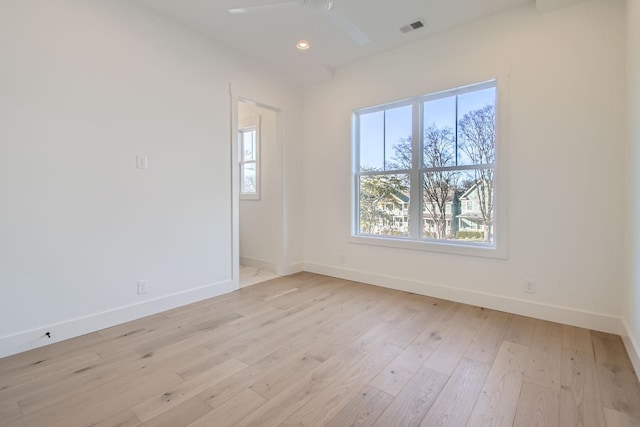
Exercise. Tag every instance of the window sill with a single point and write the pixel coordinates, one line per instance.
(468, 249)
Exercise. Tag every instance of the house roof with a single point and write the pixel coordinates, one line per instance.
(470, 215)
(401, 196)
(469, 190)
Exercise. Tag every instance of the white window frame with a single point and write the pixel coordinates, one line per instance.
(247, 125)
(499, 248)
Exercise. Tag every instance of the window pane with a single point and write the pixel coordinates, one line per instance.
(439, 121)
(439, 147)
(248, 178)
(385, 139)
(458, 205)
(440, 113)
(249, 149)
(475, 216)
(372, 141)
(397, 136)
(384, 205)
(476, 127)
(440, 194)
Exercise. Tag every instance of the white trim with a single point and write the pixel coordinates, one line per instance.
(566, 315)
(259, 263)
(235, 189)
(447, 247)
(633, 348)
(34, 338)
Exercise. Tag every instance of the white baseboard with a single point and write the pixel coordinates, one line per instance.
(258, 263)
(633, 349)
(566, 315)
(27, 340)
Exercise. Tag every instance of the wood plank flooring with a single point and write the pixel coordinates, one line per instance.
(311, 350)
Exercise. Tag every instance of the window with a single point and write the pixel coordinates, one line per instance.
(249, 146)
(434, 154)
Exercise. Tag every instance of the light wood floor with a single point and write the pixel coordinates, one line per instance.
(310, 350)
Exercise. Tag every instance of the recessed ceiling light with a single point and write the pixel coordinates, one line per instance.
(303, 45)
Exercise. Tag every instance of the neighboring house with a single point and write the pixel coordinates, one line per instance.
(432, 216)
(463, 213)
(396, 215)
(470, 217)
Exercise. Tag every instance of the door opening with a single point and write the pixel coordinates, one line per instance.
(260, 193)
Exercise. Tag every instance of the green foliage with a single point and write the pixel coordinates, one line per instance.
(375, 191)
(471, 235)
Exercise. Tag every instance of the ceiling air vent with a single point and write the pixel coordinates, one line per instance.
(413, 26)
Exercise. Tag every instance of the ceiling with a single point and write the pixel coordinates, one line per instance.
(271, 35)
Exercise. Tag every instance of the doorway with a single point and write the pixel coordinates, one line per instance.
(260, 193)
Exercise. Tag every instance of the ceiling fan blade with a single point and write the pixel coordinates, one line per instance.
(348, 27)
(266, 7)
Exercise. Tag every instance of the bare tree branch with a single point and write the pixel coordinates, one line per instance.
(477, 140)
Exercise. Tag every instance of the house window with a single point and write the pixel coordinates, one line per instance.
(249, 146)
(431, 153)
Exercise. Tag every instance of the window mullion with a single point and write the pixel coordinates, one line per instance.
(355, 167)
(415, 206)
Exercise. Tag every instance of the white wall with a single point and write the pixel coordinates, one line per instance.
(261, 220)
(565, 143)
(631, 314)
(86, 86)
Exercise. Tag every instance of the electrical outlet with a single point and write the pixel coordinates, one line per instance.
(530, 286)
(142, 162)
(341, 258)
(143, 286)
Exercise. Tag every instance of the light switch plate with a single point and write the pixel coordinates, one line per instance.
(142, 162)
(143, 286)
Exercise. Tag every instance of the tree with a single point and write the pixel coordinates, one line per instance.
(375, 192)
(477, 140)
(439, 185)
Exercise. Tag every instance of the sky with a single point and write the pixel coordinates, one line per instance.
(380, 131)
